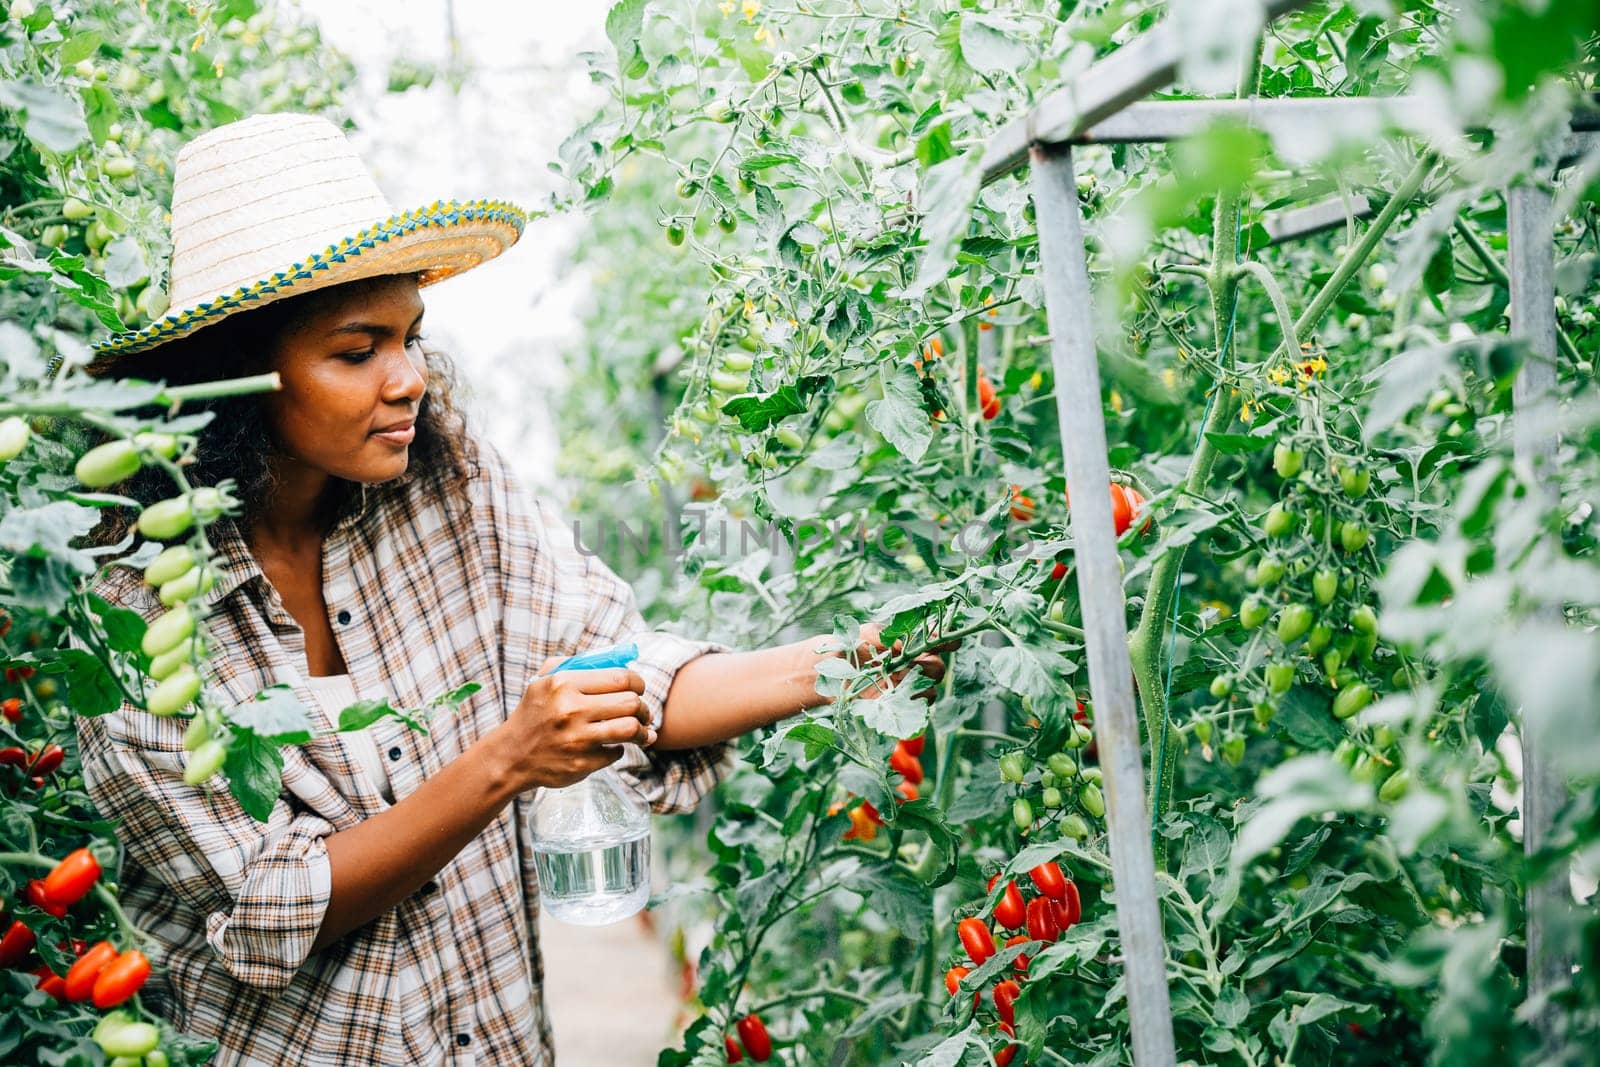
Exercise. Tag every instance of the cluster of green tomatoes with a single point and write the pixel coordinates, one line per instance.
(1066, 788)
(181, 574)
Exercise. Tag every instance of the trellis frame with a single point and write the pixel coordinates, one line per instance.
(1104, 104)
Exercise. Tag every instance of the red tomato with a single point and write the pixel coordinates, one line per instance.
(12, 756)
(1069, 909)
(906, 763)
(952, 979)
(1042, 920)
(40, 898)
(82, 975)
(988, 403)
(1009, 910)
(11, 708)
(72, 878)
(15, 945)
(753, 1034)
(907, 791)
(863, 826)
(1022, 506)
(1005, 996)
(913, 745)
(47, 759)
(51, 982)
(1049, 879)
(1020, 962)
(1121, 509)
(1058, 572)
(976, 939)
(734, 1055)
(1004, 1057)
(121, 979)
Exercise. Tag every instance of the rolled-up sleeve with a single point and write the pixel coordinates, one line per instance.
(591, 607)
(261, 888)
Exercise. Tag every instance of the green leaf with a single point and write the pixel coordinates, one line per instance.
(904, 902)
(900, 416)
(52, 117)
(78, 47)
(949, 191)
(362, 714)
(1236, 444)
(275, 715)
(993, 42)
(254, 768)
(623, 24)
(91, 688)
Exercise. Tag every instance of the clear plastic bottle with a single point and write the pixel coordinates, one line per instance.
(591, 840)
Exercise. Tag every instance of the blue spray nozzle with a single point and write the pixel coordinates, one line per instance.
(599, 659)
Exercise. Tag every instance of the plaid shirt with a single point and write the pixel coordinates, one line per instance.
(422, 596)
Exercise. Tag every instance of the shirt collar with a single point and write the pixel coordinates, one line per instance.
(236, 564)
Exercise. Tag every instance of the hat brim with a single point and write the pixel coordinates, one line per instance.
(436, 242)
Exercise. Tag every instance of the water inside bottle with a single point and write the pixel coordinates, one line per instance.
(592, 883)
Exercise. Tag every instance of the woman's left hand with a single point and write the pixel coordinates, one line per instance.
(932, 664)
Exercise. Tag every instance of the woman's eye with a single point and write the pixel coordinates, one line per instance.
(413, 342)
(356, 357)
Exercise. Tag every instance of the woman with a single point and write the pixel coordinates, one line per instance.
(386, 910)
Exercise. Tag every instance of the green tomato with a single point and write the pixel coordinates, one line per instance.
(1395, 786)
(1202, 731)
(156, 1059)
(197, 581)
(727, 222)
(1264, 712)
(1354, 480)
(173, 562)
(1052, 798)
(1013, 766)
(163, 666)
(108, 464)
(1364, 620)
(1092, 801)
(1063, 766)
(1253, 612)
(197, 734)
(1366, 768)
(1325, 585)
(204, 762)
(54, 236)
(1073, 826)
(175, 692)
(1280, 677)
(1293, 621)
(1221, 686)
(789, 438)
(1047, 779)
(76, 210)
(687, 187)
(1353, 536)
(1365, 645)
(14, 434)
(676, 234)
(164, 445)
(1331, 661)
(129, 1039)
(166, 519)
(1318, 638)
(118, 167)
(1232, 751)
(1287, 460)
(727, 382)
(738, 362)
(1351, 699)
(1022, 814)
(1278, 522)
(1058, 611)
(168, 631)
(1383, 736)
(1269, 571)
(1091, 774)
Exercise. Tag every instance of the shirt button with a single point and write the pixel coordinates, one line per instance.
(463, 1040)
(394, 753)
(344, 618)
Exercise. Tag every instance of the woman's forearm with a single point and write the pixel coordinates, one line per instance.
(719, 697)
(383, 860)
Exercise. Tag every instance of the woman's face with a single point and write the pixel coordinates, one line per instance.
(353, 380)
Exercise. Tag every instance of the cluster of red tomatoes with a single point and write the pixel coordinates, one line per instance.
(101, 973)
(753, 1038)
(1039, 917)
(906, 761)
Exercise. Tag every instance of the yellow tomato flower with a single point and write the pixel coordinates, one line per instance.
(751, 9)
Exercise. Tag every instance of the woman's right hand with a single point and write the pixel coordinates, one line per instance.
(570, 724)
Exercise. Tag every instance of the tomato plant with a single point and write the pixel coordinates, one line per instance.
(1317, 433)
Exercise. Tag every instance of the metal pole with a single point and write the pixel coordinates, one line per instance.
(1531, 248)
(1065, 267)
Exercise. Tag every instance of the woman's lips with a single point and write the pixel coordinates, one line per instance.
(399, 435)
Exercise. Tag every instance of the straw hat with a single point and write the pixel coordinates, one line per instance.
(278, 205)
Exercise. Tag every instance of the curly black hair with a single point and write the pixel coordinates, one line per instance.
(238, 442)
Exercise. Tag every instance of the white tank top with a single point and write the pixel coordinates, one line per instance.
(335, 692)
